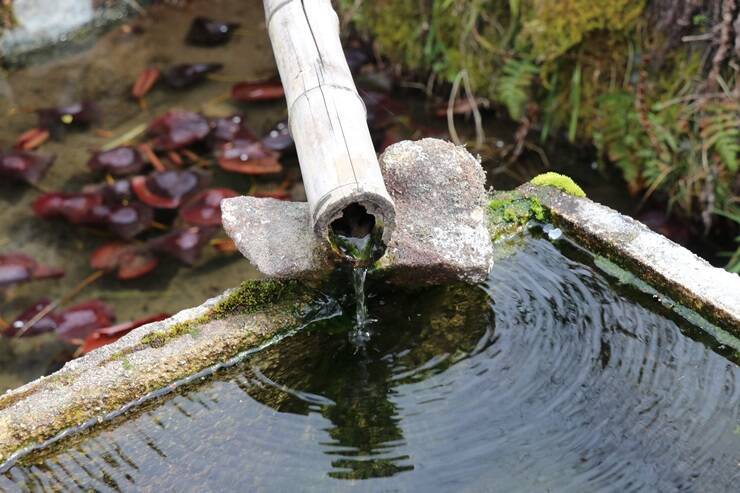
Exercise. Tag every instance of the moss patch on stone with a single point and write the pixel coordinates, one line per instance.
(250, 297)
(509, 211)
(562, 182)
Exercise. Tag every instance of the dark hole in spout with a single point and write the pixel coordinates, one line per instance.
(355, 222)
(356, 235)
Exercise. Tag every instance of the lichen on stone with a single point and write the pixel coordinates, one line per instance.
(562, 182)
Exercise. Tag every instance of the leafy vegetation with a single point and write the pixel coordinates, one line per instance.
(652, 83)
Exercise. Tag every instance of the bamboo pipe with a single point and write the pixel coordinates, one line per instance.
(327, 117)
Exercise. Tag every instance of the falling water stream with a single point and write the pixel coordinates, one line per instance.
(357, 239)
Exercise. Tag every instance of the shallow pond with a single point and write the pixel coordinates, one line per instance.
(551, 376)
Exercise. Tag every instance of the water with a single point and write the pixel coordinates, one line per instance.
(361, 334)
(551, 377)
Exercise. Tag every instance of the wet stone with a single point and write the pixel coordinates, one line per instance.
(441, 232)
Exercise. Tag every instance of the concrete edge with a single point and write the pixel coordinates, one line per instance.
(107, 379)
(670, 268)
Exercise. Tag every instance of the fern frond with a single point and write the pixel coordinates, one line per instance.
(721, 133)
(512, 89)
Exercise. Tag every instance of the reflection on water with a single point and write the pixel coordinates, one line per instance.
(548, 379)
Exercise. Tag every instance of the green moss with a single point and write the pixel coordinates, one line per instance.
(509, 211)
(564, 183)
(250, 297)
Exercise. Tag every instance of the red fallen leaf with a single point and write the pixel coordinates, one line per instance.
(265, 90)
(129, 261)
(279, 139)
(24, 166)
(167, 189)
(272, 194)
(176, 129)
(188, 74)
(205, 208)
(107, 257)
(75, 323)
(129, 220)
(18, 267)
(184, 244)
(31, 139)
(139, 187)
(144, 82)
(79, 114)
(227, 128)
(113, 193)
(245, 155)
(15, 268)
(119, 161)
(77, 208)
(47, 323)
(224, 245)
(136, 263)
(108, 335)
(208, 32)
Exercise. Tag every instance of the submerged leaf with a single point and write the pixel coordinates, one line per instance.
(205, 208)
(266, 90)
(167, 189)
(19, 267)
(176, 129)
(24, 166)
(209, 32)
(129, 261)
(184, 244)
(119, 161)
(189, 74)
(75, 323)
(46, 323)
(245, 155)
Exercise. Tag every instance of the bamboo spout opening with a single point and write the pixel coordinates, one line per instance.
(355, 222)
(357, 236)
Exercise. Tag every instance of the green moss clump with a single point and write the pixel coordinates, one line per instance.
(255, 295)
(509, 211)
(159, 338)
(564, 183)
(250, 297)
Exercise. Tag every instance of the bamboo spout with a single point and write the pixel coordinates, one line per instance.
(327, 118)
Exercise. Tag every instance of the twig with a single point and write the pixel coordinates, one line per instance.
(728, 7)
(146, 149)
(64, 299)
(462, 76)
(540, 152)
(450, 108)
(479, 135)
(125, 137)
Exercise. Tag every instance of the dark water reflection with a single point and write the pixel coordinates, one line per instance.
(549, 379)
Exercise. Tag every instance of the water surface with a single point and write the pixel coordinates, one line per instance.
(550, 378)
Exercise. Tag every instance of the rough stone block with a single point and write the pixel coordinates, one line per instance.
(440, 236)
